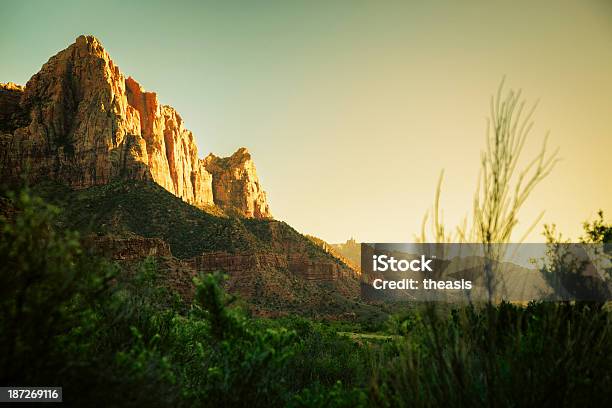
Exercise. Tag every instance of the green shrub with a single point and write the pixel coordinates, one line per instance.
(541, 355)
(44, 278)
(132, 342)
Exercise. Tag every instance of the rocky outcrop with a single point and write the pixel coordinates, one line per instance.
(81, 122)
(127, 249)
(236, 185)
(249, 272)
(298, 264)
(334, 250)
(351, 250)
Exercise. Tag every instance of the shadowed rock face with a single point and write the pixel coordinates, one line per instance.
(11, 114)
(81, 122)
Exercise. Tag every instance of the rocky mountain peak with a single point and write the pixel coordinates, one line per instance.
(234, 177)
(81, 122)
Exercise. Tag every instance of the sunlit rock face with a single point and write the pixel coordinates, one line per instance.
(81, 122)
(81, 129)
(172, 153)
(236, 185)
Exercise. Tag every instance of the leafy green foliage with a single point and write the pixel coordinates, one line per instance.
(334, 397)
(43, 274)
(130, 341)
(598, 231)
(544, 354)
(566, 271)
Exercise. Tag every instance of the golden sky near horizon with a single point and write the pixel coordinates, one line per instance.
(352, 108)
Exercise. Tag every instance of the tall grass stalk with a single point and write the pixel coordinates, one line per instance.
(502, 188)
(466, 359)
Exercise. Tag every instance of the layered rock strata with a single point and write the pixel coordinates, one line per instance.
(236, 185)
(81, 122)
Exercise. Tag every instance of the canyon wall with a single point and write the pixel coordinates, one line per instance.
(248, 272)
(81, 122)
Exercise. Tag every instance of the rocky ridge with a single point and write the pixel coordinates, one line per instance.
(273, 268)
(235, 177)
(258, 277)
(81, 122)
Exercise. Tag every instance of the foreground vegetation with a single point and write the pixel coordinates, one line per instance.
(115, 337)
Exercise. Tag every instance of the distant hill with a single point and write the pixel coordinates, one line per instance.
(272, 266)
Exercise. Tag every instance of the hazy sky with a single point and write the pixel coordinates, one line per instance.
(351, 108)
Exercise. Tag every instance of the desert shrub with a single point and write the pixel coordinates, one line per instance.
(332, 397)
(321, 356)
(565, 265)
(233, 362)
(45, 278)
(132, 342)
(543, 354)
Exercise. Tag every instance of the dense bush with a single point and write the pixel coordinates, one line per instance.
(43, 276)
(129, 341)
(544, 354)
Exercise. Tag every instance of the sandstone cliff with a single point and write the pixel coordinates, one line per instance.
(81, 122)
(236, 185)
